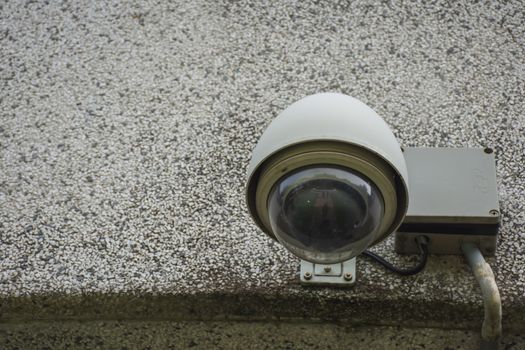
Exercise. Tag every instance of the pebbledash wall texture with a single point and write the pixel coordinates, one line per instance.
(126, 130)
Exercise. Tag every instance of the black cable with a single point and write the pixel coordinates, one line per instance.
(422, 243)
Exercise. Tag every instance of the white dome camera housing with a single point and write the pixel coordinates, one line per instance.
(328, 179)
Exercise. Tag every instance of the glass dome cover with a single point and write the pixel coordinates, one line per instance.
(325, 214)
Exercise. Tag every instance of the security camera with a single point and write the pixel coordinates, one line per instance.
(328, 179)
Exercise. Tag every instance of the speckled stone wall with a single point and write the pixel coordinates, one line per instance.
(126, 129)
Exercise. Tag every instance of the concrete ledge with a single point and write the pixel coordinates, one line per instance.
(253, 306)
(233, 335)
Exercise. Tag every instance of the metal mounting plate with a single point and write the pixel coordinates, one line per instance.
(338, 275)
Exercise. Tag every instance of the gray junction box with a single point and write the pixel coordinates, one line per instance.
(453, 198)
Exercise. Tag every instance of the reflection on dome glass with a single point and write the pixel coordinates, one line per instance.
(325, 214)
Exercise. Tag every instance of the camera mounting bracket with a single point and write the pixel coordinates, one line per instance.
(341, 274)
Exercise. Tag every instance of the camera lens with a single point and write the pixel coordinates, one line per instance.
(325, 214)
